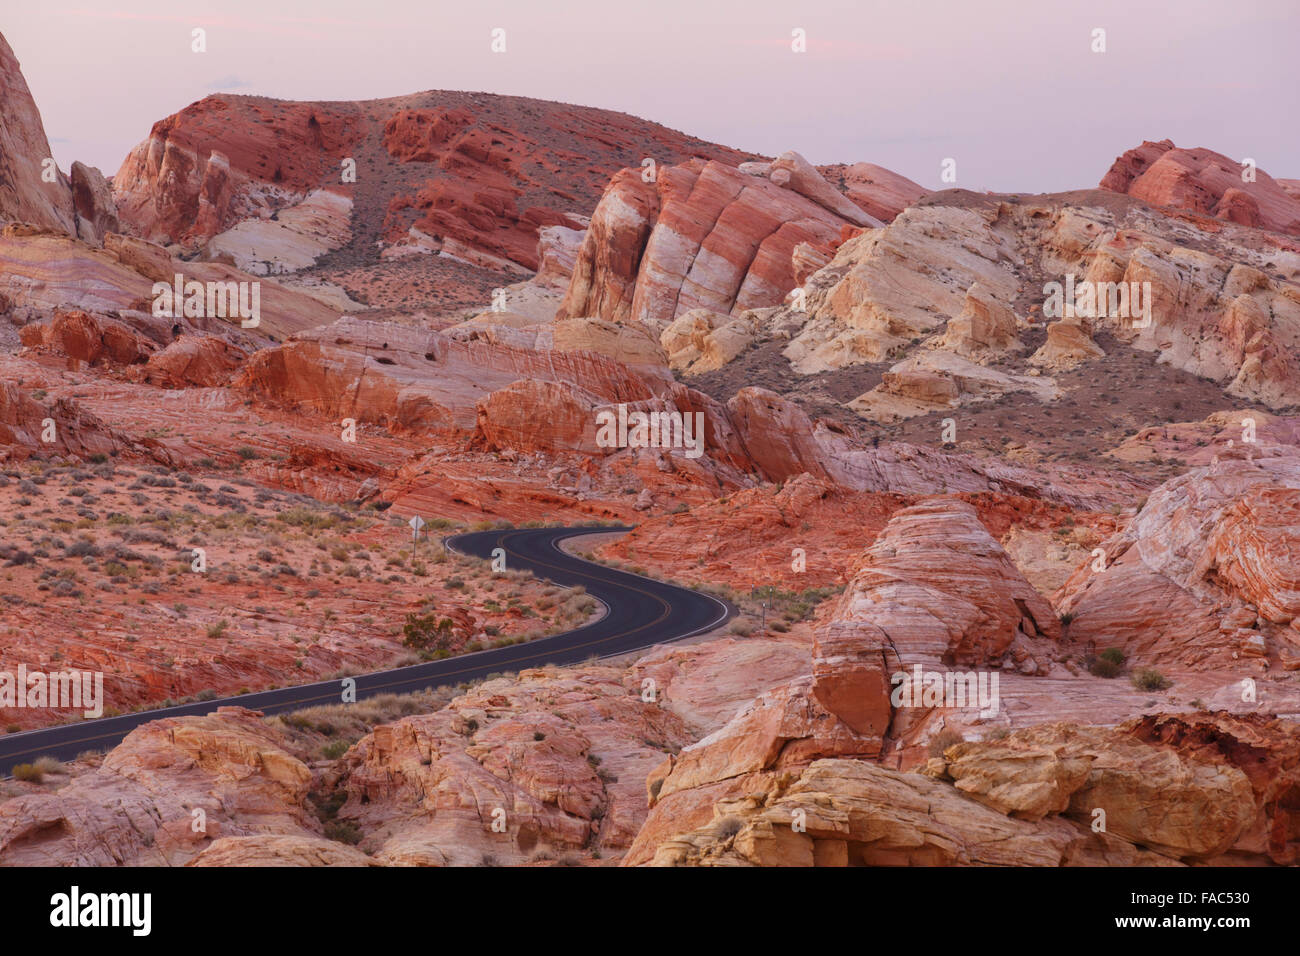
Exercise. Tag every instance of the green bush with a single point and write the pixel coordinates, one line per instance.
(427, 632)
(334, 749)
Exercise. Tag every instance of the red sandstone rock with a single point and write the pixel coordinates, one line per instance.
(24, 153)
(88, 338)
(194, 360)
(137, 808)
(93, 199)
(1204, 181)
(705, 235)
(228, 157)
(1212, 543)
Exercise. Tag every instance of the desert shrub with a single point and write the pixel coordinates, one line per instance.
(1148, 678)
(344, 831)
(729, 826)
(48, 765)
(28, 772)
(943, 740)
(1105, 664)
(427, 632)
(334, 749)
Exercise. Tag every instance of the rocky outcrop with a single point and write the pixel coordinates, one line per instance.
(934, 589)
(937, 380)
(85, 337)
(49, 271)
(704, 235)
(794, 172)
(415, 379)
(30, 427)
(203, 361)
(466, 177)
(937, 587)
(1068, 344)
(557, 760)
(881, 192)
(32, 189)
(1203, 181)
(1205, 573)
(297, 236)
(703, 341)
(1156, 791)
(228, 158)
(890, 286)
(855, 813)
(163, 795)
(985, 328)
(1208, 299)
(92, 198)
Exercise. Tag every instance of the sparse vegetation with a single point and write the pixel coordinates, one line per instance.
(1148, 678)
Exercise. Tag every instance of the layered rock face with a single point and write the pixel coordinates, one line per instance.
(881, 192)
(935, 590)
(943, 589)
(30, 427)
(48, 271)
(224, 159)
(559, 761)
(25, 194)
(1153, 792)
(704, 235)
(141, 806)
(1206, 574)
(960, 278)
(86, 338)
(1203, 181)
(274, 185)
(409, 378)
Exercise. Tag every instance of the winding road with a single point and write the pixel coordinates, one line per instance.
(640, 612)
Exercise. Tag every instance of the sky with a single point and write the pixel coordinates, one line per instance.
(1010, 90)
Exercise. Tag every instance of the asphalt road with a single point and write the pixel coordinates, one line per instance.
(641, 612)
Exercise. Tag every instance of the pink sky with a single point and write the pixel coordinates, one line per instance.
(1011, 90)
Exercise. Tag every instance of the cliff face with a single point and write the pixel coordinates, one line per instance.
(1203, 181)
(32, 189)
(475, 175)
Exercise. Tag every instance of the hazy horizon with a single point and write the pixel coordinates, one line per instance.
(1014, 93)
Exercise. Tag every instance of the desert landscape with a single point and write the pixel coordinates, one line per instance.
(997, 494)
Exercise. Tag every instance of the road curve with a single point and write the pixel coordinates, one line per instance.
(640, 612)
